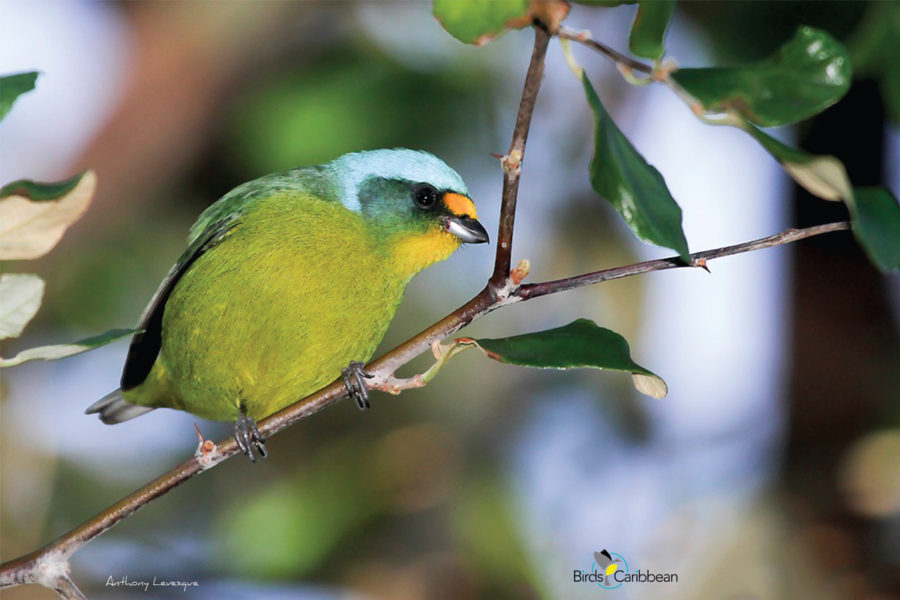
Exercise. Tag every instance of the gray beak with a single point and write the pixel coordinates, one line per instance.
(467, 229)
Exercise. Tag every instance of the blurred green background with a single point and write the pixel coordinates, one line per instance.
(494, 481)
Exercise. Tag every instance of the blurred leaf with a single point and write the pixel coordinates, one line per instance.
(34, 216)
(804, 77)
(485, 524)
(875, 215)
(348, 102)
(20, 298)
(479, 21)
(581, 343)
(874, 48)
(637, 191)
(648, 33)
(58, 351)
(872, 43)
(13, 86)
(291, 526)
(869, 474)
(822, 176)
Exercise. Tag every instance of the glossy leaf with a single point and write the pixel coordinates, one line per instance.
(804, 77)
(20, 298)
(479, 21)
(875, 216)
(637, 191)
(58, 351)
(648, 32)
(822, 176)
(34, 216)
(13, 86)
(581, 343)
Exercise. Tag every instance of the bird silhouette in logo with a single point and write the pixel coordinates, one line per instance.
(607, 565)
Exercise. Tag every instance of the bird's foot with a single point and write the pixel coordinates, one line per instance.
(356, 387)
(248, 437)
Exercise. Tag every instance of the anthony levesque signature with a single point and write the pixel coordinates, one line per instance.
(145, 585)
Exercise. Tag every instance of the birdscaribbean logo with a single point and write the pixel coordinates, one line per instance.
(610, 571)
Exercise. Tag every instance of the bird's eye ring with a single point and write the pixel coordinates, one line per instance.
(425, 196)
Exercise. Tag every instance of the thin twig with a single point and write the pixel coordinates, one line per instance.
(614, 55)
(512, 162)
(535, 290)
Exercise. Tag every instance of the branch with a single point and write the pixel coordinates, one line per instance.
(501, 290)
(512, 162)
(698, 259)
(623, 61)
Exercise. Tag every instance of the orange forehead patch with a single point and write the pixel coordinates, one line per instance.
(460, 205)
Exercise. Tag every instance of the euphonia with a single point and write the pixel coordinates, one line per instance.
(286, 280)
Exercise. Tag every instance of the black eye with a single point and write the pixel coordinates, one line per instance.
(425, 196)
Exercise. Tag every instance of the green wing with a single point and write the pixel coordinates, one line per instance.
(146, 343)
(211, 227)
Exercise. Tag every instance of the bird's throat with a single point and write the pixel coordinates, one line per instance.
(412, 252)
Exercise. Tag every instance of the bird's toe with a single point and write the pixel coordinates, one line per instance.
(354, 380)
(248, 438)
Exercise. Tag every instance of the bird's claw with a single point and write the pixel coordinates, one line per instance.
(356, 387)
(248, 437)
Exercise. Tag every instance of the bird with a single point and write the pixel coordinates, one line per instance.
(289, 282)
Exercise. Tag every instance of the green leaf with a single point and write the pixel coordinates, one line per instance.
(20, 298)
(294, 523)
(875, 216)
(34, 216)
(13, 86)
(483, 521)
(479, 21)
(581, 343)
(649, 29)
(38, 191)
(804, 77)
(822, 176)
(58, 351)
(637, 191)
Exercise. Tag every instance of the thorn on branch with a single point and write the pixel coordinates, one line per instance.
(700, 262)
